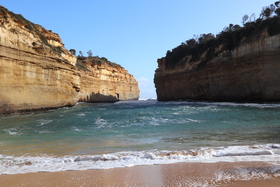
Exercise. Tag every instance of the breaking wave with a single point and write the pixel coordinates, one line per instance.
(44, 163)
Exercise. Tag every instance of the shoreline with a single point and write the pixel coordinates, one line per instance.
(23, 112)
(179, 174)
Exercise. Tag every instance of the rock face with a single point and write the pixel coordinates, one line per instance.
(103, 81)
(37, 72)
(249, 72)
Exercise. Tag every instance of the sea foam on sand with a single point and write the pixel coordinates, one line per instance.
(249, 174)
(45, 163)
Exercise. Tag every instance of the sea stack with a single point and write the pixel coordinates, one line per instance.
(238, 65)
(37, 72)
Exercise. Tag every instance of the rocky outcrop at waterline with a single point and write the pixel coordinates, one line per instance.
(240, 65)
(37, 72)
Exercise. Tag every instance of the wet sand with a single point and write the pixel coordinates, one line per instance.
(181, 174)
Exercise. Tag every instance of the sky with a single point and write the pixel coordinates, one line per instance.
(133, 33)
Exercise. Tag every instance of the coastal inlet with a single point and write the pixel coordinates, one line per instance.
(128, 133)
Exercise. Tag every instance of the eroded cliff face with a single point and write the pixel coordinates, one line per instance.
(103, 81)
(249, 72)
(37, 72)
(35, 69)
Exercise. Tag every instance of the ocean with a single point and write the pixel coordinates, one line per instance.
(144, 132)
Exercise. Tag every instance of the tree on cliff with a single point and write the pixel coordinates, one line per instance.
(89, 53)
(81, 53)
(191, 42)
(73, 51)
(231, 28)
(267, 11)
(245, 19)
(205, 37)
(231, 37)
(277, 10)
(252, 18)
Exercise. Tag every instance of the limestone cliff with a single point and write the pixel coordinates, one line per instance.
(241, 65)
(37, 72)
(102, 80)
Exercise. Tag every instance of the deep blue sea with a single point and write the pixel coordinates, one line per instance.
(123, 134)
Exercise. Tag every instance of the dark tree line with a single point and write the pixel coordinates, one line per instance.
(73, 51)
(230, 37)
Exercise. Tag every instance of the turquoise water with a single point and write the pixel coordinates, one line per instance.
(137, 127)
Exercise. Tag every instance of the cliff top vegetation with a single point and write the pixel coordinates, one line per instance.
(84, 62)
(231, 37)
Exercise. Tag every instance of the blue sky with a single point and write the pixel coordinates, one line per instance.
(131, 33)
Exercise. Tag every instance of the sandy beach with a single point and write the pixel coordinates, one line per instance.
(181, 174)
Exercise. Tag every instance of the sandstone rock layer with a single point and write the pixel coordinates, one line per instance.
(103, 81)
(247, 73)
(37, 72)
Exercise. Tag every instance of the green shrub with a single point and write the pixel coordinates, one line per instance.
(231, 38)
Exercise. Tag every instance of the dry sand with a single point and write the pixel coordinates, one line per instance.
(181, 174)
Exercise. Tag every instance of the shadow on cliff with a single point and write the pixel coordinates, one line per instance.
(6, 109)
(100, 98)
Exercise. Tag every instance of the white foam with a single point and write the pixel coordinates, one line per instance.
(44, 132)
(194, 120)
(147, 99)
(77, 129)
(44, 122)
(101, 123)
(27, 164)
(12, 131)
(243, 151)
(81, 114)
(245, 174)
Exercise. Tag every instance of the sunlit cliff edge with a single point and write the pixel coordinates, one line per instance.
(240, 65)
(37, 72)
